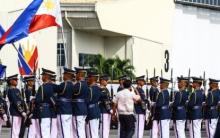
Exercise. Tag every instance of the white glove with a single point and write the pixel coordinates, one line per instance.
(32, 97)
(153, 103)
(171, 103)
(5, 118)
(24, 114)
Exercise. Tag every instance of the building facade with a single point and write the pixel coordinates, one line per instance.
(161, 34)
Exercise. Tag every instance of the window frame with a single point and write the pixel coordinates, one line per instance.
(85, 54)
(199, 4)
(61, 55)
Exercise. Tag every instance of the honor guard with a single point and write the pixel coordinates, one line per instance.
(162, 113)
(26, 97)
(45, 102)
(94, 97)
(153, 97)
(54, 125)
(31, 121)
(121, 80)
(64, 104)
(33, 129)
(153, 90)
(195, 108)
(17, 107)
(105, 108)
(211, 111)
(79, 104)
(178, 108)
(140, 108)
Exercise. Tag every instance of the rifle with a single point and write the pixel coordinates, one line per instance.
(172, 87)
(147, 90)
(143, 104)
(188, 87)
(204, 107)
(204, 83)
(27, 119)
(149, 119)
(154, 72)
(112, 91)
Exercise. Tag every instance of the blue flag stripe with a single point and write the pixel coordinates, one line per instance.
(23, 63)
(2, 71)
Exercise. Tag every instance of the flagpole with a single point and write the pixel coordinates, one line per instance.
(64, 45)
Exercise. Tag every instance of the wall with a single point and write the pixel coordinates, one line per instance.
(196, 41)
(87, 43)
(115, 46)
(149, 21)
(152, 19)
(148, 55)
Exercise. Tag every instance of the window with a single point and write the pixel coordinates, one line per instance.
(60, 54)
(86, 60)
(213, 4)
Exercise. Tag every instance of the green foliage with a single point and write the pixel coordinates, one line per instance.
(113, 67)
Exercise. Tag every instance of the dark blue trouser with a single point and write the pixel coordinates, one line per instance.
(127, 126)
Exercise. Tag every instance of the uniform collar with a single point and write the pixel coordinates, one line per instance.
(102, 86)
(12, 87)
(182, 89)
(162, 90)
(29, 88)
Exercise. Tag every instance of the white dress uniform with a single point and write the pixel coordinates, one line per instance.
(195, 110)
(162, 112)
(211, 112)
(105, 109)
(16, 110)
(64, 108)
(179, 111)
(140, 112)
(79, 106)
(94, 114)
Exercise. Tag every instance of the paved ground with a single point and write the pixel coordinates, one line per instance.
(113, 134)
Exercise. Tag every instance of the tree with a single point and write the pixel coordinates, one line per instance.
(113, 67)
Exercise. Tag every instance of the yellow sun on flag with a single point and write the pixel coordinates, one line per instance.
(49, 4)
(28, 51)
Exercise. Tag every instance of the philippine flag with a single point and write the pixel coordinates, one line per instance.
(2, 31)
(27, 60)
(38, 15)
(2, 71)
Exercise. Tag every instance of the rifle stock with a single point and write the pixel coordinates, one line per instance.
(147, 90)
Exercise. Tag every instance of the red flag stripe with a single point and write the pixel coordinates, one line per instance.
(34, 59)
(42, 21)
